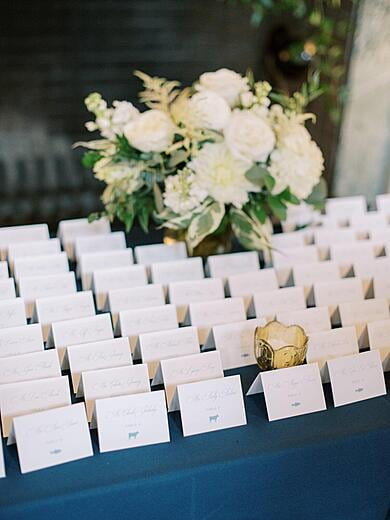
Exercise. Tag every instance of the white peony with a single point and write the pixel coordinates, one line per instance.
(207, 110)
(182, 192)
(224, 82)
(221, 175)
(151, 131)
(249, 137)
(298, 167)
(124, 174)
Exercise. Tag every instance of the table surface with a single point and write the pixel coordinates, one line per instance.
(333, 464)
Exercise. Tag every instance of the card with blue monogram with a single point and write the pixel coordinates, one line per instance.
(12, 313)
(52, 437)
(90, 262)
(20, 340)
(211, 405)
(110, 382)
(153, 253)
(7, 289)
(356, 378)
(27, 367)
(222, 266)
(130, 421)
(293, 391)
(13, 234)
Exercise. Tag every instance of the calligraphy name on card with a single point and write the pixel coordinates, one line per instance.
(134, 322)
(293, 391)
(90, 262)
(356, 378)
(100, 242)
(105, 280)
(153, 253)
(183, 293)
(151, 295)
(211, 405)
(235, 342)
(52, 437)
(311, 320)
(269, 303)
(331, 294)
(35, 248)
(12, 313)
(222, 266)
(359, 313)
(132, 420)
(247, 284)
(32, 396)
(20, 340)
(69, 230)
(27, 367)
(93, 356)
(7, 289)
(155, 346)
(40, 265)
(177, 271)
(110, 382)
(205, 315)
(13, 234)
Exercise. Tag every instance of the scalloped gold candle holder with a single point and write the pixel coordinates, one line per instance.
(280, 346)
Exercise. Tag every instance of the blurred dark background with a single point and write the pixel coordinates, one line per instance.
(55, 52)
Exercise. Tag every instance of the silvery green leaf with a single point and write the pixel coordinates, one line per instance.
(205, 223)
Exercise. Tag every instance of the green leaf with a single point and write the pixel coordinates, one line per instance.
(249, 232)
(278, 207)
(287, 196)
(90, 158)
(269, 182)
(257, 174)
(205, 223)
(318, 195)
(94, 216)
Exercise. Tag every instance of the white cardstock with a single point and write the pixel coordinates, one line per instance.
(359, 313)
(222, 266)
(27, 367)
(347, 254)
(268, 304)
(344, 207)
(40, 265)
(69, 230)
(36, 248)
(379, 339)
(133, 420)
(247, 284)
(101, 242)
(311, 320)
(7, 289)
(90, 262)
(325, 237)
(211, 405)
(153, 253)
(183, 293)
(366, 269)
(285, 240)
(165, 344)
(52, 437)
(94, 356)
(12, 313)
(110, 382)
(293, 391)
(331, 294)
(356, 378)
(14, 234)
(177, 271)
(205, 315)
(381, 286)
(20, 340)
(284, 261)
(4, 270)
(32, 396)
(306, 275)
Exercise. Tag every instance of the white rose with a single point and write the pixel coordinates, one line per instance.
(224, 82)
(151, 131)
(249, 137)
(208, 110)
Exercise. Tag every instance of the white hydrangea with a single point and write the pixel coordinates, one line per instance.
(221, 175)
(182, 192)
(249, 137)
(204, 109)
(124, 174)
(151, 131)
(123, 113)
(224, 82)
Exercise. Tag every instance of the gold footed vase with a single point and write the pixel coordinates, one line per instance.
(214, 244)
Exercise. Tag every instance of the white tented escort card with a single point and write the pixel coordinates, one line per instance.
(36, 248)
(359, 313)
(151, 295)
(379, 335)
(27, 367)
(4, 270)
(383, 203)
(381, 287)
(133, 420)
(90, 262)
(363, 224)
(12, 313)
(30, 397)
(94, 356)
(20, 340)
(325, 237)
(344, 207)
(132, 323)
(268, 304)
(286, 259)
(183, 293)
(92, 244)
(205, 315)
(247, 284)
(356, 378)
(60, 308)
(222, 266)
(293, 391)
(285, 240)
(347, 254)
(187, 369)
(331, 294)
(154, 253)
(315, 319)
(33, 287)
(83, 330)
(331, 344)
(211, 405)
(7, 289)
(52, 437)
(165, 344)
(40, 265)
(69, 230)
(105, 280)
(110, 382)
(235, 341)
(306, 275)
(177, 271)
(365, 269)
(13, 234)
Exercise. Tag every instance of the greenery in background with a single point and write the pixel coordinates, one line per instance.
(323, 47)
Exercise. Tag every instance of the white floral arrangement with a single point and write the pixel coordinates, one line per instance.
(225, 153)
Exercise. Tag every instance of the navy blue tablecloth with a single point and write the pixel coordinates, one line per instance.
(331, 465)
